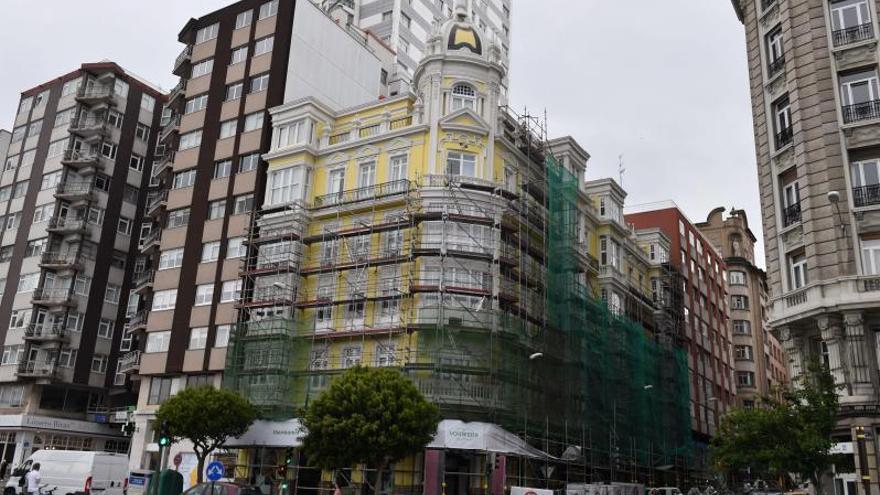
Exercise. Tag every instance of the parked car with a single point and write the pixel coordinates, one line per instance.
(223, 488)
(75, 471)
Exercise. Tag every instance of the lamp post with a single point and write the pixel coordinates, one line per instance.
(532, 357)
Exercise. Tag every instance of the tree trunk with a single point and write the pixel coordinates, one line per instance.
(816, 479)
(377, 490)
(200, 465)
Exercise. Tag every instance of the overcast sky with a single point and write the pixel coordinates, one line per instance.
(662, 83)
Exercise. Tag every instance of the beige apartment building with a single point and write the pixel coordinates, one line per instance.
(813, 68)
(760, 363)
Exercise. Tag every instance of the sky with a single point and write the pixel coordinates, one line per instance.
(664, 84)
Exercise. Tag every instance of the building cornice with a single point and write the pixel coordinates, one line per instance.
(740, 14)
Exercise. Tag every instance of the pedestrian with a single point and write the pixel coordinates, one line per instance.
(4, 465)
(33, 480)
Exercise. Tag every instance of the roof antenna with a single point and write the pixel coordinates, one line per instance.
(620, 169)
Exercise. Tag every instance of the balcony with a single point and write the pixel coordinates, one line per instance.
(868, 110)
(142, 281)
(156, 202)
(791, 215)
(366, 130)
(130, 362)
(775, 66)
(75, 191)
(83, 161)
(368, 193)
(163, 163)
(94, 95)
(465, 181)
(176, 95)
(784, 137)
(60, 261)
(137, 321)
(151, 241)
(182, 62)
(53, 298)
(805, 303)
(611, 271)
(169, 126)
(67, 226)
(45, 333)
(36, 369)
(854, 34)
(866, 195)
(89, 127)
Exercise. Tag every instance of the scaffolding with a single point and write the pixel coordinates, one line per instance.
(477, 291)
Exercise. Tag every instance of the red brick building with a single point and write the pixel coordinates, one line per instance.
(707, 333)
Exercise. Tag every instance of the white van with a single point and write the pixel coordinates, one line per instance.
(75, 471)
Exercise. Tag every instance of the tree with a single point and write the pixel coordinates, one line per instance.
(372, 416)
(791, 434)
(207, 417)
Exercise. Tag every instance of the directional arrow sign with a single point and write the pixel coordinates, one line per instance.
(214, 471)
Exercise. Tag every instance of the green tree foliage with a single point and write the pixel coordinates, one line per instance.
(373, 416)
(791, 434)
(207, 417)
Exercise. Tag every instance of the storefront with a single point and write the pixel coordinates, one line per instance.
(23, 434)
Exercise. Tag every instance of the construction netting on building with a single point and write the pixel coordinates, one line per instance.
(487, 309)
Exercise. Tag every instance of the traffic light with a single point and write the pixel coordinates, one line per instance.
(164, 435)
(281, 472)
(288, 457)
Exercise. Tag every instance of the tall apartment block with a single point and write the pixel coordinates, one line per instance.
(71, 199)
(813, 72)
(406, 26)
(761, 364)
(706, 332)
(237, 63)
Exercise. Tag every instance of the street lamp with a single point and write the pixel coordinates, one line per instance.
(532, 358)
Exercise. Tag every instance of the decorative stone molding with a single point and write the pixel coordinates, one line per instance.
(793, 238)
(777, 85)
(462, 138)
(784, 160)
(868, 221)
(857, 56)
(770, 17)
(862, 135)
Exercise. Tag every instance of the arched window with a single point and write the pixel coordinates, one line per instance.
(463, 96)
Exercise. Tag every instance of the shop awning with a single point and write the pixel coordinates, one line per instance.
(279, 434)
(451, 434)
(487, 437)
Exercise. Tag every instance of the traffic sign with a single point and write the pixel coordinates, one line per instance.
(177, 460)
(214, 471)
